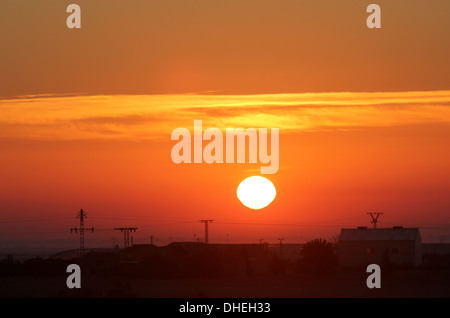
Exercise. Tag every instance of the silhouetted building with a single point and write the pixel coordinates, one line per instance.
(363, 246)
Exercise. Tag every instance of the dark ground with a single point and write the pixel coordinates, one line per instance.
(407, 283)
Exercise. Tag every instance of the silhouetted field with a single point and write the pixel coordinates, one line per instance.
(412, 283)
(200, 270)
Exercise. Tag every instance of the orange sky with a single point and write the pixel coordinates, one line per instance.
(86, 117)
(341, 155)
(230, 47)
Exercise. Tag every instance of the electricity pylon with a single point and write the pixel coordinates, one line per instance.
(374, 216)
(81, 215)
(126, 234)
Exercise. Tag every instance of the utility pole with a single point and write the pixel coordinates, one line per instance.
(281, 246)
(126, 234)
(206, 228)
(374, 216)
(81, 215)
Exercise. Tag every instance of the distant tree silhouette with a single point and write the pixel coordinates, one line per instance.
(334, 239)
(318, 257)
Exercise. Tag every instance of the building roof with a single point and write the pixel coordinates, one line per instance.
(396, 233)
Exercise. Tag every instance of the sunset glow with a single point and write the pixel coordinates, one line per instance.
(112, 153)
(86, 117)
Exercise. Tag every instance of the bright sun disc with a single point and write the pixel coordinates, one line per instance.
(256, 192)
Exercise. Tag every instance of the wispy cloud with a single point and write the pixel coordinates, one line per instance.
(155, 116)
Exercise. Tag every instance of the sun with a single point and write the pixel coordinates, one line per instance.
(256, 192)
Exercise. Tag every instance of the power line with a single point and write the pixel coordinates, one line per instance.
(31, 219)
